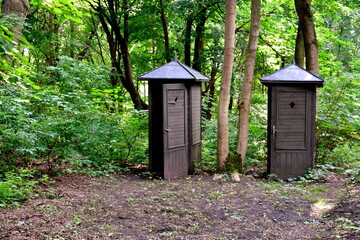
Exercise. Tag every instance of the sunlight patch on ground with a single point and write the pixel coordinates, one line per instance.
(321, 207)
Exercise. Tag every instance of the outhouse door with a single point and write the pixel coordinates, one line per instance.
(175, 131)
(291, 140)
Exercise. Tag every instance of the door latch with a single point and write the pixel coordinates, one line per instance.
(273, 130)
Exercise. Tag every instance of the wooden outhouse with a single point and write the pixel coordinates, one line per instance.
(291, 120)
(174, 118)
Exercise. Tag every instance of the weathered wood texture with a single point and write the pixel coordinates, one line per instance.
(196, 113)
(194, 126)
(291, 130)
(174, 118)
(175, 131)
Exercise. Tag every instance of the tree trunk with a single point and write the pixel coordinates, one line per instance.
(199, 41)
(299, 48)
(128, 82)
(52, 49)
(187, 43)
(165, 29)
(306, 23)
(19, 9)
(118, 45)
(124, 46)
(210, 89)
(223, 127)
(244, 106)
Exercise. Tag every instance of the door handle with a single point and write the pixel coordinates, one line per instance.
(273, 130)
(167, 129)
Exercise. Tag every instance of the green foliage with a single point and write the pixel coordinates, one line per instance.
(318, 174)
(338, 125)
(108, 143)
(16, 187)
(65, 9)
(346, 155)
(346, 158)
(71, 122)
(12, 64)
(255, 160)
(73, 75)
(69, 113)
(6, 23)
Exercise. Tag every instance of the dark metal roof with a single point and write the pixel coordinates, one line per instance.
(292, 74)
(174, 71)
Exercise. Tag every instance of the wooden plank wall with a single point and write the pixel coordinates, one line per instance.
(176, 118)
(291, 124)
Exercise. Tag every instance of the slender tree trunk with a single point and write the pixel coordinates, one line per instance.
(128, 82)
(118, 45)
(19, 9)
(124, 46)
(210, 89)
(72, 35)
(299, 48)
(187, 43)
(165, 29)
(244, 106)
(306, 22)
(51, 53)
(223, 112)
(199, 41)
(98, 39)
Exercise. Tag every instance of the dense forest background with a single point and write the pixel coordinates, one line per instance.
(70, 99)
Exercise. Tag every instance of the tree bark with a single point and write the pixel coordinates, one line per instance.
(299, 48)
(19, 9)
(118, 46)
(306, 23)
(165, 29)
(199, 41)
(223, 112)
(187, 43)
(52, 48)
(210, 89)
(244, 106)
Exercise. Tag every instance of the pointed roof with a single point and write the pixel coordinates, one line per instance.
(174, 71)
(292, 74)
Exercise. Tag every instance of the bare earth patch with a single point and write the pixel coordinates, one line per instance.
(196, 207)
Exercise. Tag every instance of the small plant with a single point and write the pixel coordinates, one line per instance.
(16, 187)
(319, 174)
(77, 220)
(347, 224)
(354, 174)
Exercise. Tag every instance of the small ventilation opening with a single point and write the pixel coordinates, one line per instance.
(292, 104)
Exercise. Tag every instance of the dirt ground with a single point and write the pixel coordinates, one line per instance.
(196, 207)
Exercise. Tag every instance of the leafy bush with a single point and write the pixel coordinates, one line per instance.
(338, 119)
(111, 140)
(346, 155)
(318, 174)
(60, 123)
(16, 187)
(74, 75)
(346, 158)
(338, 125)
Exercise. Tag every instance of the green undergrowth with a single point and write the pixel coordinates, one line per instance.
(16, 187)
